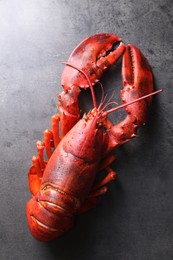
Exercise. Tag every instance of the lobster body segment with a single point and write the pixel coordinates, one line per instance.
(66, 184)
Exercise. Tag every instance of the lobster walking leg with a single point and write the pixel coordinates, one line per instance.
(55, 129)
(110, 158)
(48, 142)
(51, 140)
(99, 188)
(111, 175)
(36, 170)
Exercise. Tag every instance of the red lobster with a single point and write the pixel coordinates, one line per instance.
(65, 184)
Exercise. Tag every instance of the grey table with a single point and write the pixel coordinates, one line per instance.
(134, 220)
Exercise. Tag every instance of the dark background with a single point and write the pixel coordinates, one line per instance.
(135, 218)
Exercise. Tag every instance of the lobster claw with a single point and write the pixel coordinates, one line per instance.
(93, 56)
(137, 81)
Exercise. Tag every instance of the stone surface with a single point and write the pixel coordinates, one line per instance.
(134, 220)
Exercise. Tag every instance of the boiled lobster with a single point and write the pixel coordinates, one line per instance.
(64, 184)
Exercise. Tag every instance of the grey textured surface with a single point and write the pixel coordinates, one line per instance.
(134, 220)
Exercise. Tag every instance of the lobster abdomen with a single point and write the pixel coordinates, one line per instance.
(48, 220)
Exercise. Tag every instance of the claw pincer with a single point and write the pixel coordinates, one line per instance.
(65, 183)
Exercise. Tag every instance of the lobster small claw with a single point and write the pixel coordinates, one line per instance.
(137, 81)
(93, 56)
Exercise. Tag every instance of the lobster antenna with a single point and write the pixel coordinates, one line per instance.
(102, 97)
(109, 102)
(136, 100)
(87, 78)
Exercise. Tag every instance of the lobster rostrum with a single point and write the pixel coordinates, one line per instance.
(64, 184)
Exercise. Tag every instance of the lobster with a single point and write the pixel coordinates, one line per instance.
(64, 184)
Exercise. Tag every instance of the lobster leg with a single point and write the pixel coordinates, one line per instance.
(55, 129)
(111, 175)
(138, 81)
(34, 176)
(98, 189)
(36, 171)
(110, 158)
(51, 140)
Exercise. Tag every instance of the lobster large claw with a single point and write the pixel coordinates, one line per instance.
(92, 56)
(137, 81)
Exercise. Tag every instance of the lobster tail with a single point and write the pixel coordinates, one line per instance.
(47, 220)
